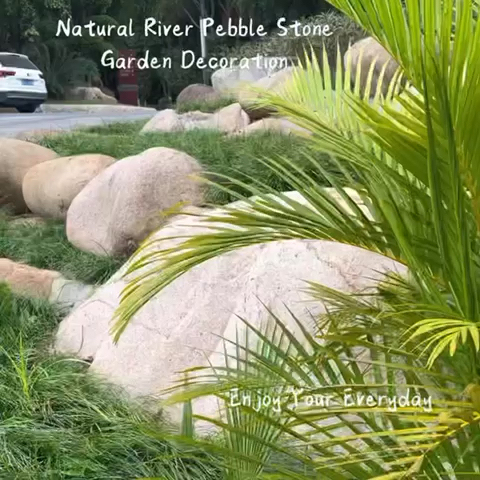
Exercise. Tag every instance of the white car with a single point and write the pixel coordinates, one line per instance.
(21, 83)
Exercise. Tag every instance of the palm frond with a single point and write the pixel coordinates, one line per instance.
(410, 162)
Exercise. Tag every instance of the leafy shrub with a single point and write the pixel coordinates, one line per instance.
(61, 67)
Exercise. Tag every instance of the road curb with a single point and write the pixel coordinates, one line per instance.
(66, 108)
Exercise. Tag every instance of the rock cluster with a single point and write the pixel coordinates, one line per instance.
(90, 94)
(109, 206)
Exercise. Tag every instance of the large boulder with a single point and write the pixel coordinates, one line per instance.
(228, 119)
(227, 80)
(276, 83)
(90, 94)
(180, 328)
(362, 54)
(122, 205)
(26, 280)
(231, 119)
(197, 93)
(50, 187)
(16, 158)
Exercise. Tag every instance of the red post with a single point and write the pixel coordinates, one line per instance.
(128, 79)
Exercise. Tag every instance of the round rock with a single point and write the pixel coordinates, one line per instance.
(50, 187)
(197, 92)
(120, 207)
(276, 83)
(16, 158)
(365, 52)
(183, 326)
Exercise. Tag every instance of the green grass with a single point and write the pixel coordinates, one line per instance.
(57, 421)
(232, 156)
(46, 246)
(119, 128)
(209, 106)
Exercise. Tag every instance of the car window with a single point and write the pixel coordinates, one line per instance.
(16, 61)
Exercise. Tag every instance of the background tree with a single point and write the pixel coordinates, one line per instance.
(29, 26)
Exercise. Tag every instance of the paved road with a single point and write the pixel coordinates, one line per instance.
(13, 124)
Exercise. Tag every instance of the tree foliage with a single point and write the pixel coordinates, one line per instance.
(30, 26)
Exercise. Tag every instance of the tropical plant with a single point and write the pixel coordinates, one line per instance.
(413, 158)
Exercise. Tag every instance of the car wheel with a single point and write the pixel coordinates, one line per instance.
(29, 108)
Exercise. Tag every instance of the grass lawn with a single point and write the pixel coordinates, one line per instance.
(235, 157)
(57, 421)
(46, 246)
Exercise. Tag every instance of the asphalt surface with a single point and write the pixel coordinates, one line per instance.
(14, 124)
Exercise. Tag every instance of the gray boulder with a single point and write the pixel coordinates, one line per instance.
(227, 80)
(197, 93)
(276, 83)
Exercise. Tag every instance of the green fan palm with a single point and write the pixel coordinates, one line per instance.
(413, 158)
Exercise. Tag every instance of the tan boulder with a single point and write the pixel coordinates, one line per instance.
(43, 284)
(122, 205)
(276, 83)
(16, 158)
(170, 121)
(181, 327)
(362, 54)
(197, 93)
(90, 94)
(50, 187)
(26, 280)
(167, 120)
(228, 119)
(231, 119)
